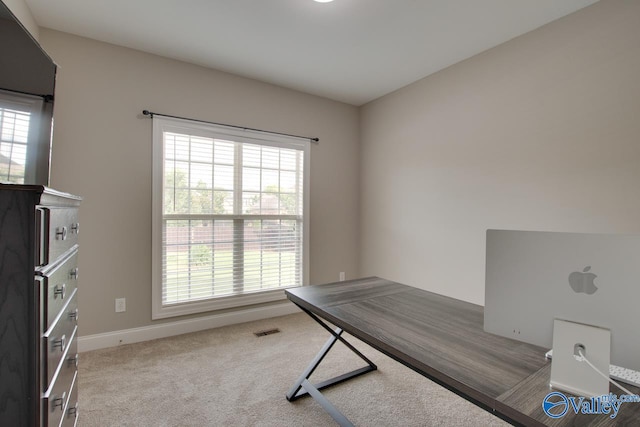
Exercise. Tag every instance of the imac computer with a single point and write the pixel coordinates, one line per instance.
(535, 277)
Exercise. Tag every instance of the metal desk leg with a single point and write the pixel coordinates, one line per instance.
(303, 387)
(326, 405)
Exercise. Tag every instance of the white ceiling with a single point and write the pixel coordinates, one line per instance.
(348, 50)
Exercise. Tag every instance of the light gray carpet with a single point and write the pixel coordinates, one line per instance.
(230, 377)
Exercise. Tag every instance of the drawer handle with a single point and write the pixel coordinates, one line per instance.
(59, 290)
(75, 228)
(61, 233)
(59, 401)
(73, 360)
(62, 343)
(73, 315)
(73, 411)
(74, 273)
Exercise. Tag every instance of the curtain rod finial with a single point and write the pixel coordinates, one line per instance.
(147, 113)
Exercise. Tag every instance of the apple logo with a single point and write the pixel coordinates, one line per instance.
(583, 282)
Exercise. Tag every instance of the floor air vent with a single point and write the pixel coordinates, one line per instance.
(267, 332)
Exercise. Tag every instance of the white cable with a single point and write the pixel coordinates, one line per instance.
(584, 358)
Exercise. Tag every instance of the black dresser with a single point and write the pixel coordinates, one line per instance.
(38, 306)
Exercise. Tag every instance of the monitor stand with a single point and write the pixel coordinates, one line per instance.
(568, 372)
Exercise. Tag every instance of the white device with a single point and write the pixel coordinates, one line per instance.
(624, 375)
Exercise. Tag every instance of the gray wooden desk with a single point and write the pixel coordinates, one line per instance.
(443, 339)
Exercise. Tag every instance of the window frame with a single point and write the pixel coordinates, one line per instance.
(170, 124)
(33, 106)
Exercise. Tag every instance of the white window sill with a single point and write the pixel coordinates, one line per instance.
(233, 301)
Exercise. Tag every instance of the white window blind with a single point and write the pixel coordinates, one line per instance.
(229, 216)
(14, 135)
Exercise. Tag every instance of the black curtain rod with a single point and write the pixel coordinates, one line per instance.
(46, 98)
(151, 114)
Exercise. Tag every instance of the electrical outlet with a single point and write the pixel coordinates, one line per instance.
(342, 276)
(121, 305)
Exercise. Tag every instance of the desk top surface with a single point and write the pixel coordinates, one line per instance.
(443, 339)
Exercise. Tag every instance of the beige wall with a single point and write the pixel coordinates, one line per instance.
(540, 133)
(102, 151)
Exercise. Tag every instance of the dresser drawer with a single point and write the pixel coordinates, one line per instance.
(58, 232)
(70, 417)
(58, 286)
(55, 401)
(58, 340)
(69, 364)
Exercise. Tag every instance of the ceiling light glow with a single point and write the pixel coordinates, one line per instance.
(323, 1)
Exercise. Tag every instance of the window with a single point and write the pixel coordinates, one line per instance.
(14, 132)
(16, 113)
(229, 216)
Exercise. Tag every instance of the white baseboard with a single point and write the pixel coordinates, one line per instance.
(168, 329)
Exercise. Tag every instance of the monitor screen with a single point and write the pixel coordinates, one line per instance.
(533, 277)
